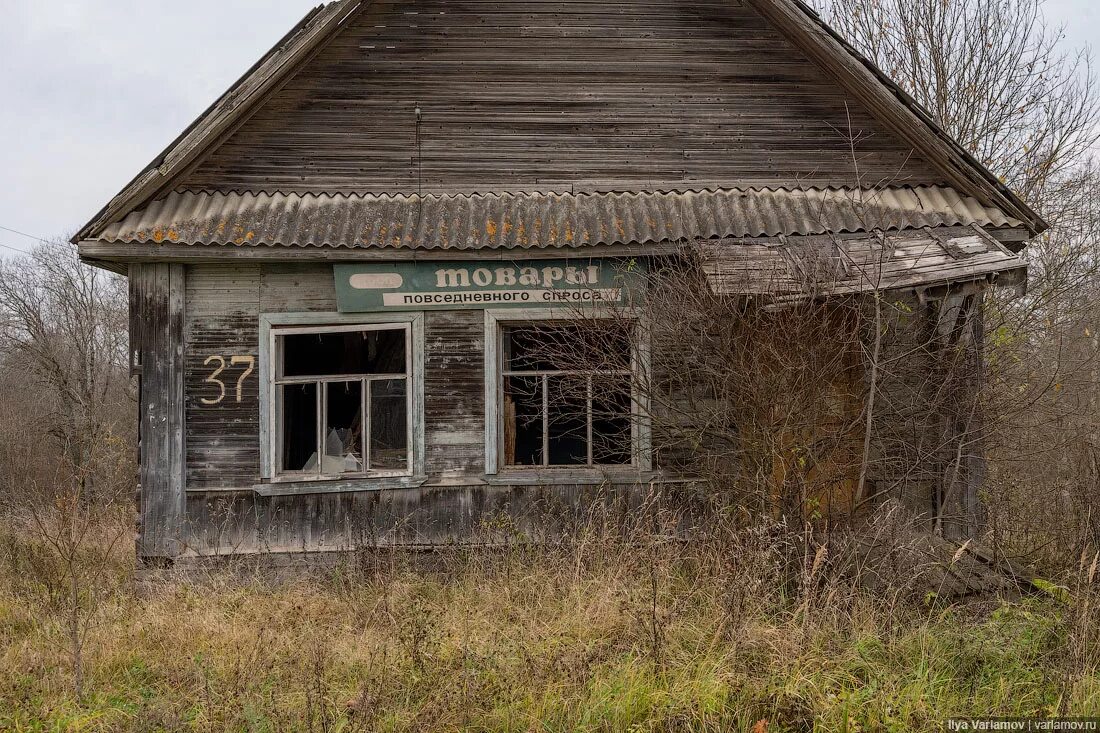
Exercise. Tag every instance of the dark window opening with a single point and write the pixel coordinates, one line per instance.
(566, 395)
(343, 451)
(611, 419)
(567, 420)
(343, 353)
(299, 425)
(523, 421)
(597, 347)
(342, 402)
(389, 425)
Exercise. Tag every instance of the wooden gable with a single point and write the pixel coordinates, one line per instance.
(557, 96)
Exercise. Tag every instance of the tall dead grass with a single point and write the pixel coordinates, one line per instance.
(610, 628)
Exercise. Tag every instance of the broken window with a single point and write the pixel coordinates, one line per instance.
(342, 401)
(566, 394)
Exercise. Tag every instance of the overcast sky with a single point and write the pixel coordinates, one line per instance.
(92, 90)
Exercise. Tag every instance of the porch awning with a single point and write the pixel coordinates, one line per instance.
(857, 263)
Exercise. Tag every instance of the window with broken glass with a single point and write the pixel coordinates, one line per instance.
(567, 397)
(342, 401)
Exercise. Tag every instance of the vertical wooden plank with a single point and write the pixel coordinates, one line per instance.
(417, 347)
(492, 393)
(136, 279)
(175, 408)
(959, 416)
(976, 463)
(454, 397)
(268, 404)
(159, 296)
(152, 410)
(134, 274)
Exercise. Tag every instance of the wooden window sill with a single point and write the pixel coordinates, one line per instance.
(582, 476)
(338, 486)
(547, 477)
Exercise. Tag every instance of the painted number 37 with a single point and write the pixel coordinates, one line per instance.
(249, 364)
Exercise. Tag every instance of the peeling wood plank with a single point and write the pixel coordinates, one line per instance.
(158, 293)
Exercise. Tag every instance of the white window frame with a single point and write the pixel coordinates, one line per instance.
(272, 326)
(495, 321)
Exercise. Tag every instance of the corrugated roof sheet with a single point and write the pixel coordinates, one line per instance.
(830, 265)
(545, 220)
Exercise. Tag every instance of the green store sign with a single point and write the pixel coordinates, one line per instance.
(448, 285)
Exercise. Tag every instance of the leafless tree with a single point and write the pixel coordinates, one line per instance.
(993, 74)
(66, 453)
(63, 350)
(1001, 80)
(767, 395)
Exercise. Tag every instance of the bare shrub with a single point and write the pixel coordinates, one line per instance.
(67, 558)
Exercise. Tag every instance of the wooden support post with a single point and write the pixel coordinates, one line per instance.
(975, 455)
(958, 463)
(157, 334)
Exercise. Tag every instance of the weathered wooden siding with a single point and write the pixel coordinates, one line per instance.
(157, 299)
(435, 516)
(224, 514)
(223, 439)
(557, 95)
(223, 447)
(223, 443)
(220, 318)
(928, 418)
(454, 393)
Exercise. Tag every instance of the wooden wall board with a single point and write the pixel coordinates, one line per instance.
(417, 517)
(157, 291)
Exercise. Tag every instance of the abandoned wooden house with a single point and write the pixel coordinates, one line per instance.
(339, 274)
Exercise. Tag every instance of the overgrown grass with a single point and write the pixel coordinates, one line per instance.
(606, 638)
